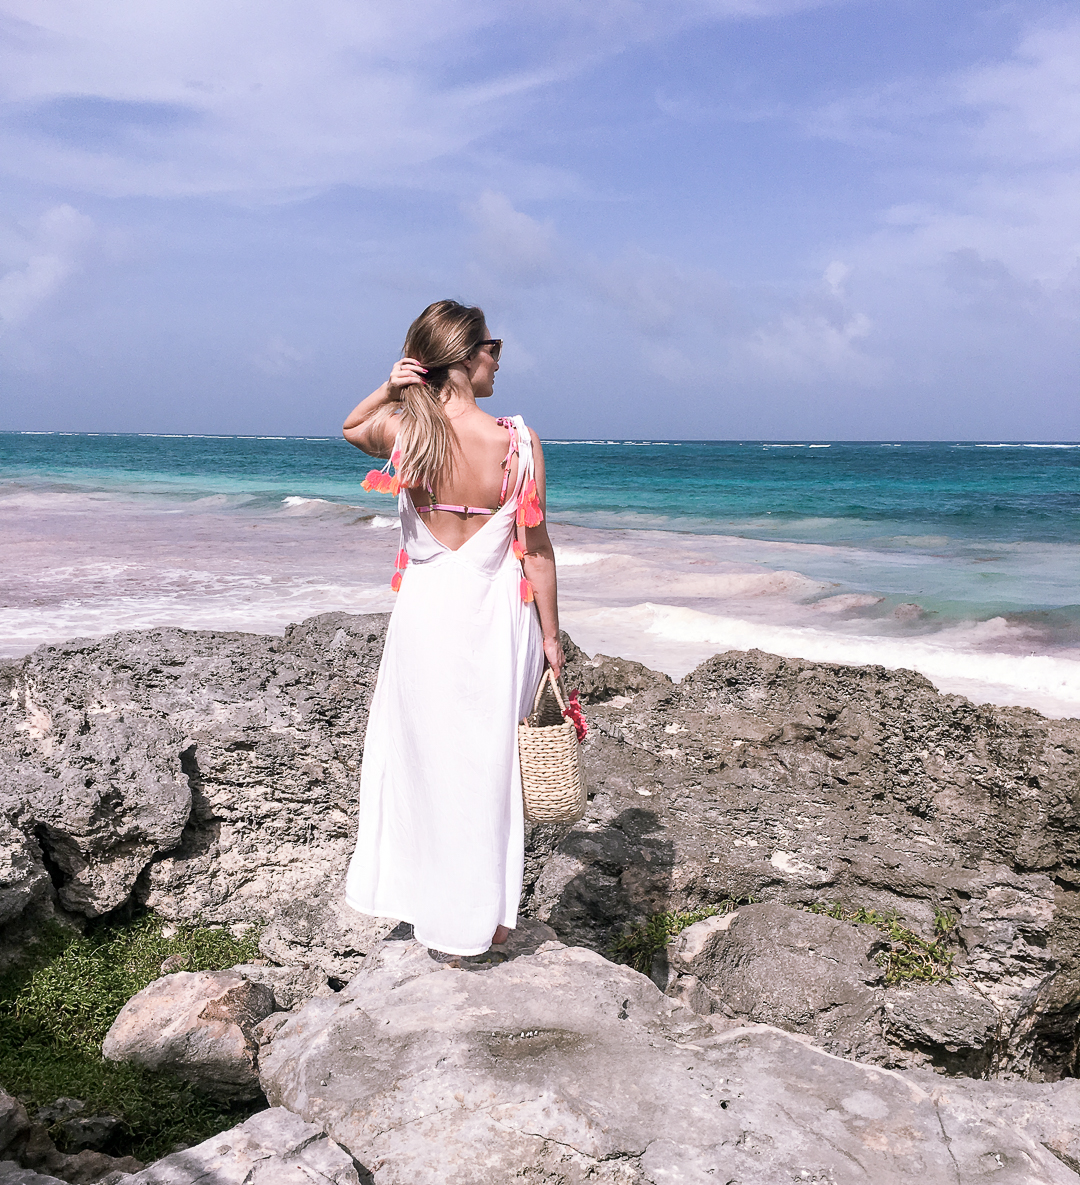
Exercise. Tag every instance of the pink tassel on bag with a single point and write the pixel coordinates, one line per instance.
(573, 710)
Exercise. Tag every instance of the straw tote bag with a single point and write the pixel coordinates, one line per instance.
(552, 775)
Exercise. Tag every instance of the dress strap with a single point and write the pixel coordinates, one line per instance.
(512, 448)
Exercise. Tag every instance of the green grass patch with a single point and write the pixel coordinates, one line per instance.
(640, 945)
(909, 959)
(57, 1006)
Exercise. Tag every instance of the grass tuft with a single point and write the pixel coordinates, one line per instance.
(57, 1006)
(909, 959)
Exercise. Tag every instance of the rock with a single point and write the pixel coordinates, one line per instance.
(14, 1122)
(957, 1028)
(788, 781)
(274, 1147)
(798, 783)
(291, 986)
(197, 1025)
(563, 1067)
(23, 879)
(12, 1173)
(91, 772)
(320, 930)
(59, 1110)
(89, 1131)
(799, 971)
(230, 761)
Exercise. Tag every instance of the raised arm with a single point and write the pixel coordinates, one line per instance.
(539, 564)
(372, 424)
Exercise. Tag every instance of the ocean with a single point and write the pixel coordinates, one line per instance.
(959, 560)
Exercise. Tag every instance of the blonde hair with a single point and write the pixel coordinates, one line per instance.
(445, 333)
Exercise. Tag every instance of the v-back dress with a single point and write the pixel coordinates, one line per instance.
(440, 842)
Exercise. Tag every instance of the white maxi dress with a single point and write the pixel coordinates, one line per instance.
(440, 841)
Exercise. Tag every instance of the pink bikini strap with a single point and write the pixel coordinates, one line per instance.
(508, 424)
(455, 509)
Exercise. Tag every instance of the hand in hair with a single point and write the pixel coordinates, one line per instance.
(406, 372)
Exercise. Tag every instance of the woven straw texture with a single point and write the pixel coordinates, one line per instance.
(552, 774)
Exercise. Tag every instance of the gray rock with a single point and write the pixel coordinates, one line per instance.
(799, 971)
(90, 1131)
(23, 879)
(91, 771)
(14, 1122)
(320, 930)
(12, 1173)
(563, 1067)
(274, 1147)
(199, 1026)
(789, 781)
(796, 783)
(960, 1027)
(292, 986)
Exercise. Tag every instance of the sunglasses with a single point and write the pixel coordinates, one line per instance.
(496, 346)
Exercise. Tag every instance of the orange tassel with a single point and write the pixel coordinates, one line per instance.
(402, 559)
(526, 591)
(519, 551)
(529, 513)
(395, 485)
(395, 582)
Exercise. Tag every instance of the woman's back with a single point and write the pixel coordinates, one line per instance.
(475, 479)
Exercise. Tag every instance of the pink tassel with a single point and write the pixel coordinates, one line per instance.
(529, 512)
(395, 582)
(371, 482)
(526, 591)
(395, 458)
(519, 551)
(573, 710)
(402, 559)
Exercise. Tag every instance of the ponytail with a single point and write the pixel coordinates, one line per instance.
(445, 333)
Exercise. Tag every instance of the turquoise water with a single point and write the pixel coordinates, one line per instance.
(824, 492)
(669, 550)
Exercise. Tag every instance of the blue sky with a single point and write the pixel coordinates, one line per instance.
(687, 218)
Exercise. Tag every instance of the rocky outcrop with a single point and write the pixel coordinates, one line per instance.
(199, 1026)
(563, 1067)
(212, 774)
(274, 1147)
(798, 783)
(783, 781)
(29, 1157)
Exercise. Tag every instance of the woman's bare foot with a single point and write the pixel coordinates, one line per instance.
(501, 935)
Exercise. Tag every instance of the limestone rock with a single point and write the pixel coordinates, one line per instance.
(14, 1122)
(318, 929)
(274, 1147)
(23, 879)
(563, 1067)
(199, 1026)
(799, 971)
(797, 782)
(291, 986)
(12, 1173)
(788, 781)
(959, 1028)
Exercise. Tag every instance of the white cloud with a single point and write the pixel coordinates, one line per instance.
(46, 255)
(515, 247)
(259, 97)
(277, 357)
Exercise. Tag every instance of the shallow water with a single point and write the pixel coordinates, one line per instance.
(959, 560)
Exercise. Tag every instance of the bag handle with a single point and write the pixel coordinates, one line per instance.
(548, 677)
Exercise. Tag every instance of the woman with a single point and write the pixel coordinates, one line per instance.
(441, 831)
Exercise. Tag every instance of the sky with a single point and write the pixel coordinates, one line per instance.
(719, 219)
